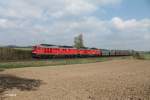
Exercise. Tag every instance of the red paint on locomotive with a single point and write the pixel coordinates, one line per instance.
(50, 50)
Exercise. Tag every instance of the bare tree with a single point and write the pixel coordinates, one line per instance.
(78, 41)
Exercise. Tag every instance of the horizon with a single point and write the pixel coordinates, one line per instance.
(26, 46)
(110, 24)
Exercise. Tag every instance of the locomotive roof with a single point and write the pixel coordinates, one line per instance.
(47, 45)
(58, 46)
(63, 46)
(66, 46)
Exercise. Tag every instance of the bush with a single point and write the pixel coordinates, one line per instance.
(138, 56)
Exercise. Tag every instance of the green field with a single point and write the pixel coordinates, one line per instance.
(26, 49)
(54, 62)
(146, 56)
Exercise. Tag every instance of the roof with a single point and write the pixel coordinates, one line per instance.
(62, 46)
(56, 46)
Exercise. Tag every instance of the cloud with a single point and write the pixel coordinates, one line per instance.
(113, 34)
(18, 9)
(46, 8)
(79, 6)
(7, 24)
(105, 33)
(27, 22)
(3, 22)
(130, 24)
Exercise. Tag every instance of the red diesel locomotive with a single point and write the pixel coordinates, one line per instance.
(51, 51)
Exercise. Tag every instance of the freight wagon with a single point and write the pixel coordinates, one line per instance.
(105, 52)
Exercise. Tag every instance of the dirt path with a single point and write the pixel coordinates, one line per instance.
(111, 80)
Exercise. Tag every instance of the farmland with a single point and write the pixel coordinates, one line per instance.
(109, 80)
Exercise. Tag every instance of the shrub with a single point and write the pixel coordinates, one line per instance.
(138, 56)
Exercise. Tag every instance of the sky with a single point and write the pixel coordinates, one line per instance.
(109, 24)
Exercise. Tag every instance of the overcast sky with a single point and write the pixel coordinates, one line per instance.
(114, 24)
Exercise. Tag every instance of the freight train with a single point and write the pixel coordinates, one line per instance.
(54, 51)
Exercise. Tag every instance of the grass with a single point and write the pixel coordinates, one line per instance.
(26, 49)
(142, 56)
(146, 56)
(54, 62)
